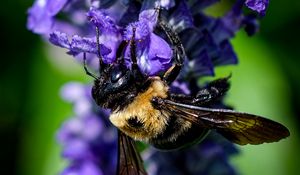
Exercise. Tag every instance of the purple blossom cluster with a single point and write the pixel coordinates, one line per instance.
(88, 139)
(209, 157)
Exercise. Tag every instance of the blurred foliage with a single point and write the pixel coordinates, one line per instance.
(266, 82)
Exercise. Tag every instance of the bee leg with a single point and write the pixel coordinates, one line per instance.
(178, 51)
(135, 68)
(181, 98)
(172, 73)
(213, 91)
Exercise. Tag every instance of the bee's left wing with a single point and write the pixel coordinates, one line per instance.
(129, 159)
(240, 128)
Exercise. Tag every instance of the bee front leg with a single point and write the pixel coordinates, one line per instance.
(138, 75)
(178, 51)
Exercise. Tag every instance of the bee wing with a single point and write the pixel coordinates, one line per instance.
(129, 160)
(240, 128)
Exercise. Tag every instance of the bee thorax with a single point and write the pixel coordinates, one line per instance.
(140, 120)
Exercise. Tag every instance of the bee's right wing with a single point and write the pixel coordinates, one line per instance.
(238, 127)
(129, 159)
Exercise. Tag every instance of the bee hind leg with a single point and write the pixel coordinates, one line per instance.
(213, 91)
(210, 93)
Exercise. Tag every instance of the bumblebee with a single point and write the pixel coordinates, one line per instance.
(144, 109)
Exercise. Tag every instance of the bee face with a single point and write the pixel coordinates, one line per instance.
(110, 86)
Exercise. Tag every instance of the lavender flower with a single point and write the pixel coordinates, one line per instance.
(88, 140)
(154, 52)
(41, 15)
(258, 5)
(209, 157)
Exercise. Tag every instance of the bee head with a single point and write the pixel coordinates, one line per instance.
(112, 84)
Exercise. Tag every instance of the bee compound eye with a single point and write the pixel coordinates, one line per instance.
(134, 122)
(116, 75)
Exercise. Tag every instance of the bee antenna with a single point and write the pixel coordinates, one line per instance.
(158, 10)
(86, 69)
(121, 52)
(101, 63)
(134, 67)
(133, 47)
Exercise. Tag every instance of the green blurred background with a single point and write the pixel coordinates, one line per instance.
(266, 82)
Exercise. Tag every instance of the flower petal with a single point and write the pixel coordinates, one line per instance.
(110, 34)
(199, 66)
(154, 55)
(251, 24)
(259, 6)
(141, 33)
(160, 49)
(226, 55)
(130, 14)
(76, 149)
(84, 44)
(149, 17)
(181, 18)
(180, 87)
(209, 157)
(59, 39)
(101, 20)
(200, 49)
(39, 21)
(54, 6)
(116, 9)
(69, 130)
(198, 5)
(167, 4)
(83, 168)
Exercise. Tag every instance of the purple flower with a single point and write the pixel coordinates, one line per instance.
(209, 157)
(209, 46)
(41, 15)
(154, 52)
(88, 140)
(83, 168)
(259, 6)
(110, 32)
(77, 44)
